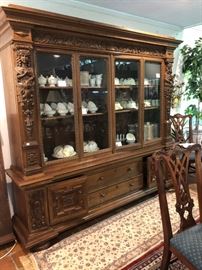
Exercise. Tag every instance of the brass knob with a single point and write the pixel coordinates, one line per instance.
(102, 195)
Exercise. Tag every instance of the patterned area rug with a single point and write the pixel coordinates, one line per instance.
(152, 261)
(111, 244)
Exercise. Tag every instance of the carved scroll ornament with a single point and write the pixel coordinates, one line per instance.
(168, 90)
(72, 40)
(168, 87)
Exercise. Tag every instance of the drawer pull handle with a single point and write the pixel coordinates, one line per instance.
(102, 195)
(101, 178)
(129, 170)
(131, 184)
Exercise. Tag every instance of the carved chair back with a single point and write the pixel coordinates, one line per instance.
(181, 128)
(174, 164)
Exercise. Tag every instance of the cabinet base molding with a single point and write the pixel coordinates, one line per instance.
(32, 239)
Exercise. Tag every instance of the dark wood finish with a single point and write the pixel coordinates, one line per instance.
(181, 131)
(6, 230)
(179, 124)
(175, 163)
(53, 196)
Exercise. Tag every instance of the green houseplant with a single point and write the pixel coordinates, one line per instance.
(192, 70)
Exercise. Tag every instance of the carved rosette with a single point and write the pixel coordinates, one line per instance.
(25, 86)
(75, 41)
(168, 89)
(37, 200)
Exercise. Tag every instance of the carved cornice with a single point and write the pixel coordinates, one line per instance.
(74, 41)
(25, 85)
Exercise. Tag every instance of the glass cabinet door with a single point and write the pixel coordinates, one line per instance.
(152, 100)
(94, 101)
(126, 84)
(54, 73)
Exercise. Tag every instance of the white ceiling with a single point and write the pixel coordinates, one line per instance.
(181, 13)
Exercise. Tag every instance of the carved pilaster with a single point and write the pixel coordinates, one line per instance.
(25, 86)
(26, 97)
(168, 89)
(38, 215)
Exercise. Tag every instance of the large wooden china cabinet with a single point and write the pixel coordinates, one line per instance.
(87, 105)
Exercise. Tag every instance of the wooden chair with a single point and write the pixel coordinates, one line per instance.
(181, 131)
(181, 128)
(186, 244)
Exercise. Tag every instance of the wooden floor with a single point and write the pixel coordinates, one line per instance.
(11, 261)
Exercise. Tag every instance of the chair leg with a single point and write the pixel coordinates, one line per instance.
(165, 259)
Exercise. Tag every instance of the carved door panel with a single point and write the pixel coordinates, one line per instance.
(67, 200)
(6, 234)
(37, 205)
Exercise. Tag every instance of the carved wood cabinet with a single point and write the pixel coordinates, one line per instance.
(87, 105)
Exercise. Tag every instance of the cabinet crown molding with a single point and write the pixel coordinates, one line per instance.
(34, 18)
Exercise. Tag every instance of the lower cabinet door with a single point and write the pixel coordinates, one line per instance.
(67, 200)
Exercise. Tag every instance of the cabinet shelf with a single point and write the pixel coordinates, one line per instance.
(152, 108)
(92, 114)
(126, 86)
(57, 117)
(91, 87)
(55, 87)
(126, 110)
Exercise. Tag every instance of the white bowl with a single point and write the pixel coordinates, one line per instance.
(49, 113)
(130, 137)
(62, 112)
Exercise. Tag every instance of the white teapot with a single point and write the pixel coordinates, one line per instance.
(52, 81)
(42, 80)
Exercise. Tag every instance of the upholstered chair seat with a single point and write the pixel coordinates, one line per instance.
(189, 244)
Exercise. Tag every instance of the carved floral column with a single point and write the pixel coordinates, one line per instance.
(168, 90)
(26, 98)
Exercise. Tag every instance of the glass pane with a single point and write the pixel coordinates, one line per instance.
(56, 105)
(126, 101)
(152, 100)
(94, 95)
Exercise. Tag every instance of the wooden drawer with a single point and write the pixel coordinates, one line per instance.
(109, 176)
(115, 191)
(67, 200)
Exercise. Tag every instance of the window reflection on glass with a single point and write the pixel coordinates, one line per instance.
(126, 83)
(152, 101)
(94, 96)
